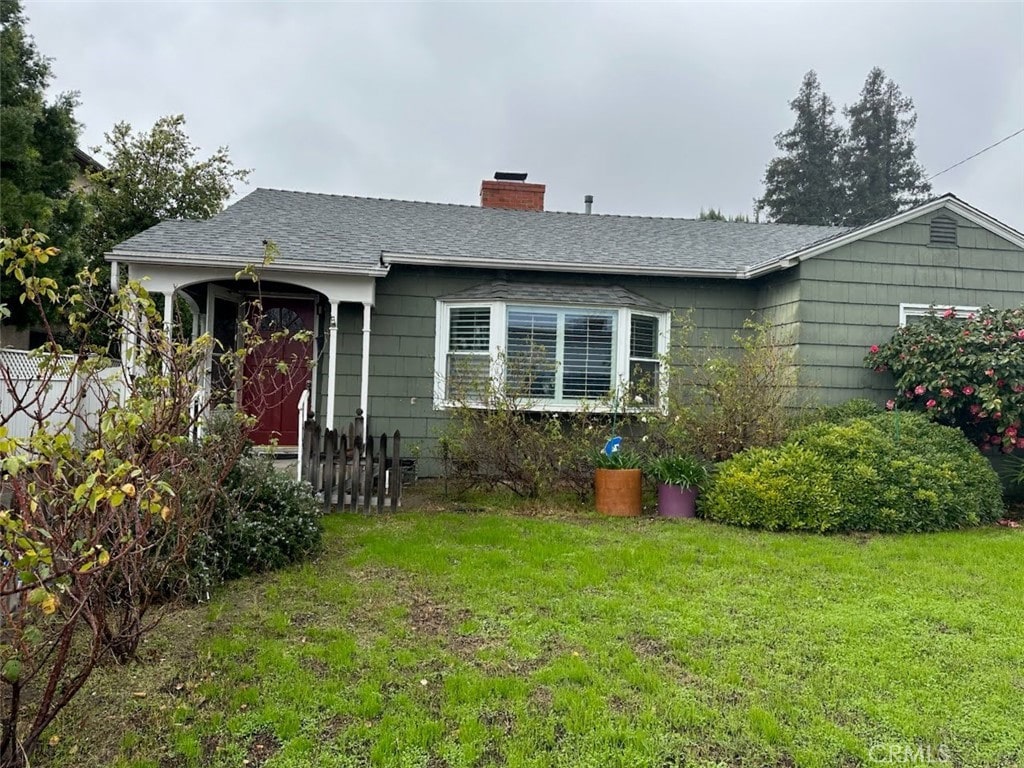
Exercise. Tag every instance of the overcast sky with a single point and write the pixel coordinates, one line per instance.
(655, 109)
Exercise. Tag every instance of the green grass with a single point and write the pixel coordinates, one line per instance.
(440, 639)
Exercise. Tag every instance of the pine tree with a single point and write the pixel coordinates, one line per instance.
(37, 145)
(803, 186)
(880, 169)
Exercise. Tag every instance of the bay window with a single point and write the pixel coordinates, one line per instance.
(549, 357)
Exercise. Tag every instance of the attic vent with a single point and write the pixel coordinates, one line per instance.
(942, 231)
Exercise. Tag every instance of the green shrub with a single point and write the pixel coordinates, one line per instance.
(967, 372)
(857, 408)
(273, 519)
(263, 519)
(888, 472)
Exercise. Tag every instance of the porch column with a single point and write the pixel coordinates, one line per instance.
(332, 362)
(364, 380)
(168, 329)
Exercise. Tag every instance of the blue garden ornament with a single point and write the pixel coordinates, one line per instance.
(612, 446)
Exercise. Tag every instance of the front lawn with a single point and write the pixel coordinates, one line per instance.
(441, 639)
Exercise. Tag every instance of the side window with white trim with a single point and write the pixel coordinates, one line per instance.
(468, 364)
(911, 313)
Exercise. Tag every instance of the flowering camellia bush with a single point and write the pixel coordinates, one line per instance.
(964, 372)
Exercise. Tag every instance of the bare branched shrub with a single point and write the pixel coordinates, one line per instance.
(722, 400)
(496, 437)
(94, 528)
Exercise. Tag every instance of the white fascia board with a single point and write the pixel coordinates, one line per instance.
(294, 265)
(947, 202)
(390, 257)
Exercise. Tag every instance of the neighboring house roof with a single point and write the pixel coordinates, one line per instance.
(365, 234)
(360, 235)
(86, 162)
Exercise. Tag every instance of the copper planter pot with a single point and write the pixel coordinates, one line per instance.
(618, 492)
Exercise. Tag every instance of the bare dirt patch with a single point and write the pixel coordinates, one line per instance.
(263, 745)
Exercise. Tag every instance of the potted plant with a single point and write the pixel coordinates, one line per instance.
(618, 483)
(679, 478)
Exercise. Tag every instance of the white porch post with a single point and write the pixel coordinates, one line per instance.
(168, 328)
(332, 362)
(364, 376)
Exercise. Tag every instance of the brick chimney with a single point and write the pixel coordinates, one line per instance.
(510, 190)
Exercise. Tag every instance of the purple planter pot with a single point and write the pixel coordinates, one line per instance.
(674, 501)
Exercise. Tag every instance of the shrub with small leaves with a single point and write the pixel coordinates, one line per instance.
(889, 472)
(273, 519)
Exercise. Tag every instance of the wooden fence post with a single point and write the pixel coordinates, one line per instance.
(330, 451)
(382, 472)
(368, 475)
(342, 469)
(396, 470)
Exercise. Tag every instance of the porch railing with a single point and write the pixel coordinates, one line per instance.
(350, 473)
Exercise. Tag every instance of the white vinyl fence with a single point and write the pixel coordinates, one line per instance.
(36, 389)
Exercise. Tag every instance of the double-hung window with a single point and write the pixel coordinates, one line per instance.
(549, 356)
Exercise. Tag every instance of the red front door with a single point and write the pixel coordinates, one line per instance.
(270, 393)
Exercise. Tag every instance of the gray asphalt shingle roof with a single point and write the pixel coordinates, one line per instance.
(353, 232)
(597, 295)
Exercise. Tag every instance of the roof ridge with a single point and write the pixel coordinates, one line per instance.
(631, 217)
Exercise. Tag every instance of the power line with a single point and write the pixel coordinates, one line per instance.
(979, 152)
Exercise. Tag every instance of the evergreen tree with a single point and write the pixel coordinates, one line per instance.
(37, 164)
(713, 214)
(880, 169)
(803, 185)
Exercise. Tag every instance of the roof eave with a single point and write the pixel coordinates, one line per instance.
(419, 259)
(210, 260)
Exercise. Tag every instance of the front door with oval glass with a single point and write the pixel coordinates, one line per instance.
(279, 370)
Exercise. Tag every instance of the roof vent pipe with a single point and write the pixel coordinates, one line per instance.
(588, 202)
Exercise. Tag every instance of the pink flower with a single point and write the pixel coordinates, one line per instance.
(919, 389)
(1011, 432)
(1018, 388)
(990, 372)
(1020, 333)
(975, 409)
(1007, 447)
(949, 313)
(874, 347)
(968, 390)
(1020, 442)
(996, 439)
(946, 392)
(890, 405)
(930, 404)
(881, 368)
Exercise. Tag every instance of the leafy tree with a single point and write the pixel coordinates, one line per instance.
(152, 176)
(881, 172)
(803, 186)
(712, 214)
(37, 144)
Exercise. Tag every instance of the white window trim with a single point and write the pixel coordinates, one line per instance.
(498, 334)
(922, 310)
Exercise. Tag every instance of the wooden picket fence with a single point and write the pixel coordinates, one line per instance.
(350, 473)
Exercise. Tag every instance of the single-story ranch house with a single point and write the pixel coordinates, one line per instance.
(399, 295)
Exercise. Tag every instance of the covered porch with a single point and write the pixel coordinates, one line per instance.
(326, 306)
